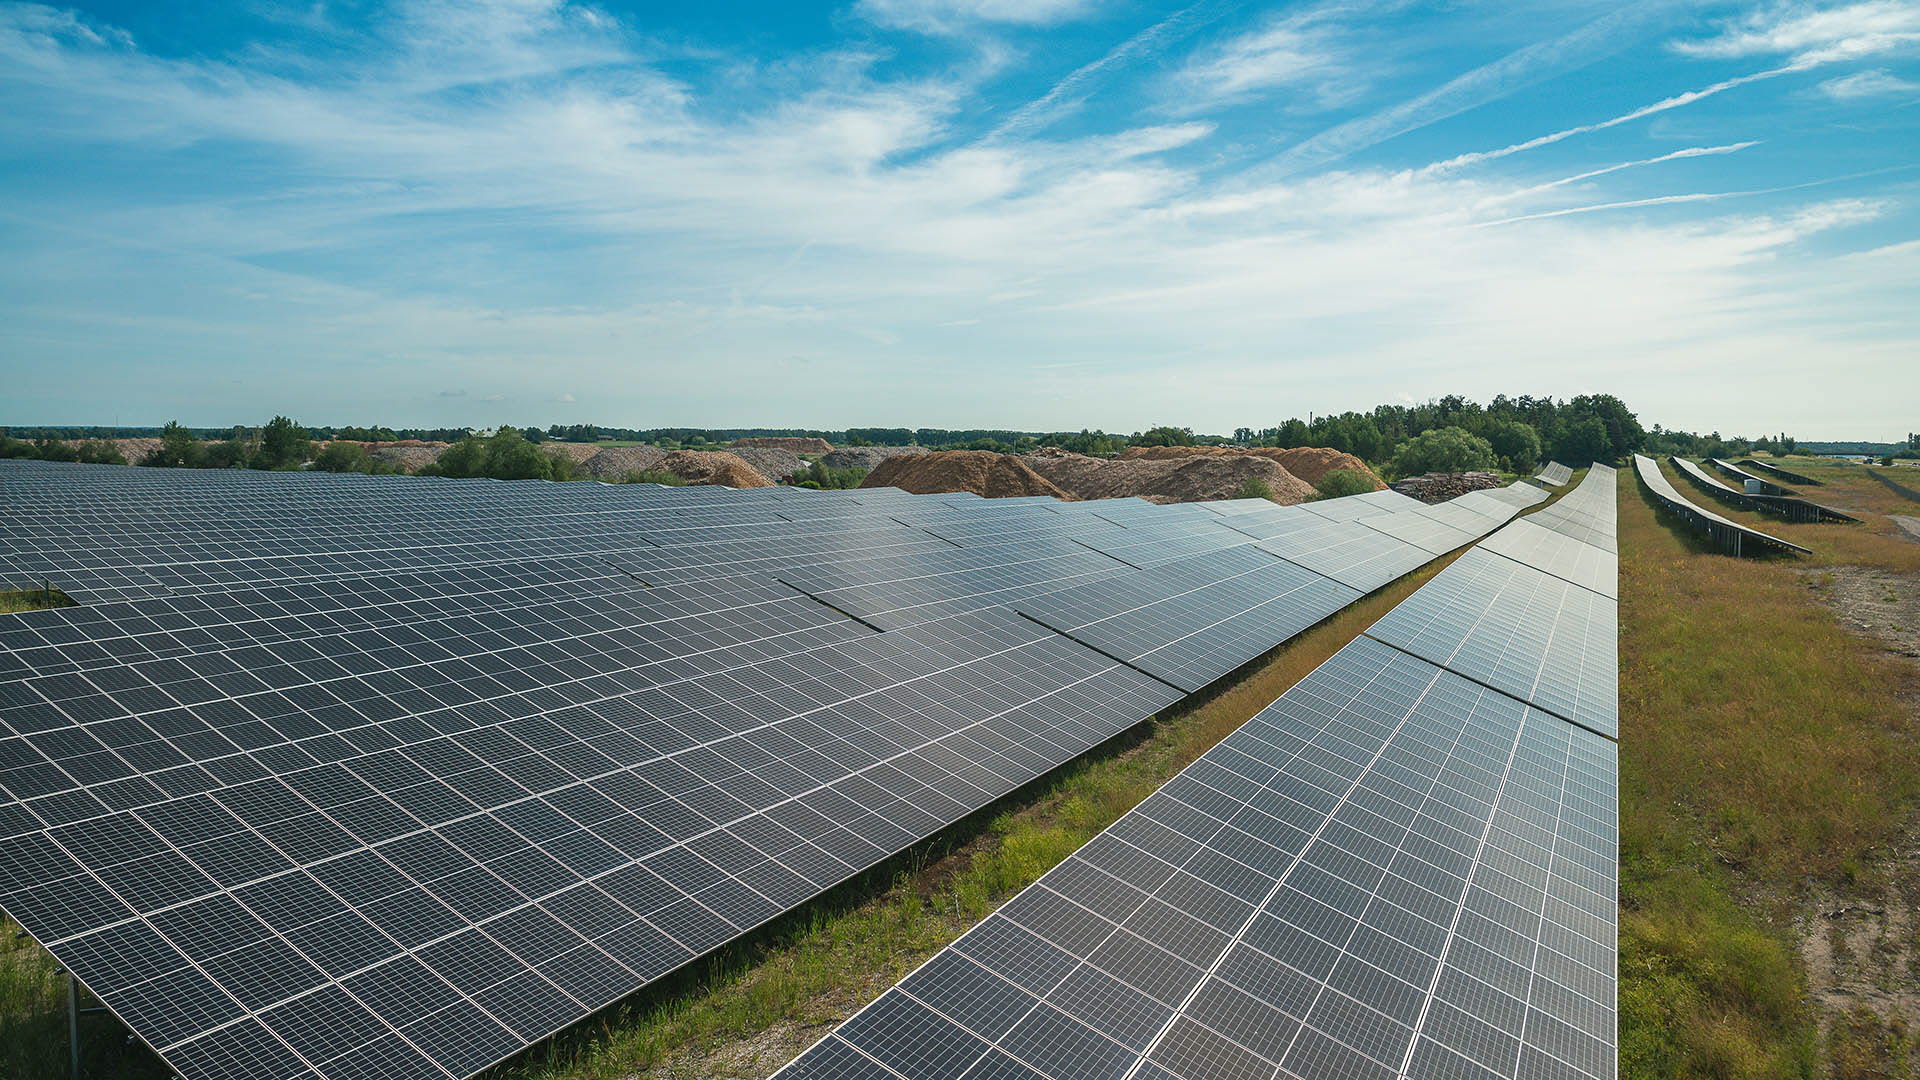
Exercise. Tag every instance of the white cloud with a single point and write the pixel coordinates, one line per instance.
(1867, 84)
(947, 16)
(567, 399)
(1816, 35)
(675, 252)
(1302, 53)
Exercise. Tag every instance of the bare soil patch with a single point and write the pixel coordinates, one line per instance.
(867, 457)
(1168, 479)
(773, 462)
(615, 462)
(1861, 944)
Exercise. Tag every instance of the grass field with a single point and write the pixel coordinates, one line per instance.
(31, 599)
(1766, 762)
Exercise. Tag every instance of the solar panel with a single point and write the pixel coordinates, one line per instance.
(1401, 868)
(1732, 536)
(1562, 556)
(1555, 473)
(1391, 871)
(1523, 631)
(334, 776)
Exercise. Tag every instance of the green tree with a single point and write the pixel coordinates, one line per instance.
(178, 448)
(1339, 483)
(343, 457)
(505, 455)
(1516, 443)
(1587, 441)
(1447, 449)
(99, 452)
(821, 478)
(1164, 436)
(1253, 488)
(227, 454)
(283, 444)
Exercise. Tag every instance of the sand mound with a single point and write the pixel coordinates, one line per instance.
(615, 462)
(1168, 478)
(867, 457)
(791, 445)
(1311, 463)
(578, 451)
(982, 472)
(713, 467)
(1308, 463)
(409, 458)
(772, 462)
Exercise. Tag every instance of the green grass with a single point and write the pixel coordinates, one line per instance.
(1764, 754)
(33, 600)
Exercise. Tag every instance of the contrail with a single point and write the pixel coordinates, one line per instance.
(1066, 94)
(1689, 152)
(1661, 106)
(1486, 83)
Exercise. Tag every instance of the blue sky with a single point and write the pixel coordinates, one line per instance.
(1032, 214)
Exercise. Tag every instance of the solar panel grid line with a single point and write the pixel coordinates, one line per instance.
(430, 943)
(1272, 893)
(1538, 764)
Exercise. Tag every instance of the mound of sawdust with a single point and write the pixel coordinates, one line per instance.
(866, 457)
(983, 472)
(578, 451)
(1309, 463)
(1168, 478)
(772, 462)
(791, 445)
(713, 467)
(407, 458)
(615, 462)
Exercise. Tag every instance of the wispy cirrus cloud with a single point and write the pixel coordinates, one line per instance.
(1305, 57)
(1813, 35)
(953, 16)
(525, 194)
(1862, 85)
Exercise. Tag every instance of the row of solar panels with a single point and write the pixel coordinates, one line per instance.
(402, 804)
(1404, 867)
(1730, 535)
(1778, 502)
(1555, 473)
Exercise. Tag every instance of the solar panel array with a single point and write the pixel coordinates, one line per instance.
(344, 776)
(1404, 867)
(1775, 470)
(1767, 487)
(1791, 508)
(1732, 537)
(1555, 473)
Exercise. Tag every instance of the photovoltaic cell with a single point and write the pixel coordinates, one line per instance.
(1391, 871)
(334, 775)
(1404, 867)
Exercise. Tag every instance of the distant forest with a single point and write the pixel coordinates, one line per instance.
(1515, 434)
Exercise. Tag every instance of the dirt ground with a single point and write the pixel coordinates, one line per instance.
(1862, 946)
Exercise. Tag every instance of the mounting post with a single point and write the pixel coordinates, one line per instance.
(73, 1023)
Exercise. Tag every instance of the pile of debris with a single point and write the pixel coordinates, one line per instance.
(983, 472)
(1309, 463)
(1168, 478)
(615, 462)
(713, 467)
(406, 456)
(866, 457)
(1438, 487)
(792, 446)
(773, 462)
